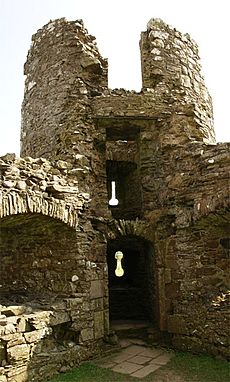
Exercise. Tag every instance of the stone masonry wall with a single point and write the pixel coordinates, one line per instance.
(172, 181)
(185, 204)
(171, 68)
(63, 69)
(199, 289)
(181, 184)
(53, 289)
(39, 186)
(39, 340)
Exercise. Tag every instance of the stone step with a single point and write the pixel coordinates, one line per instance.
(131, 329)
(142, 330)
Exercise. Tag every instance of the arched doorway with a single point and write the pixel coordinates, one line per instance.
(132, 296)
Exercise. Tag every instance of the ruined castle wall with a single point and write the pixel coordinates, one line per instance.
(38, 340)
(170, 66)
(175, 123)
(40, 186)
(53, 271)
(179, 188)
(182, 181)
(202, 280)
(185, 194)
(192, 248)
(63, 177)
(171, 180)
(192, 179)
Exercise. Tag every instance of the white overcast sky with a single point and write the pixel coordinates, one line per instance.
(117, 25)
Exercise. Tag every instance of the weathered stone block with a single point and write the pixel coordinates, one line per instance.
(2, 353)
(21, 325)
(58, 318)
(9, 328)
(74, 303)
(18, 353)
(96, 304)
(14, 310)
(168, 277)
(96, 289)
(87, 334)
(13, 339)
(12, 320)
(176, 324)
(40, 319)
(18, 374)
(37, 335)
(99, 324)
(172, 290)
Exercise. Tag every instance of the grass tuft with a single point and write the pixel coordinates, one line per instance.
(184, 367)
(201, 367)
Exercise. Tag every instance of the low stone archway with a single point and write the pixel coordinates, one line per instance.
(132, 296)
(51, 297)
(37, 256)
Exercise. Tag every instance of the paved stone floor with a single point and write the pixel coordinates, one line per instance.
(136, 359)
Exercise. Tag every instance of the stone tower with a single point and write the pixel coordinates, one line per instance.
(63, 71)
(171, 69)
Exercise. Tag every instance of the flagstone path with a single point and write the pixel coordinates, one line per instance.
(135, 358)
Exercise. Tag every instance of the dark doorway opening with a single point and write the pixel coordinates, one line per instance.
(132, 296)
